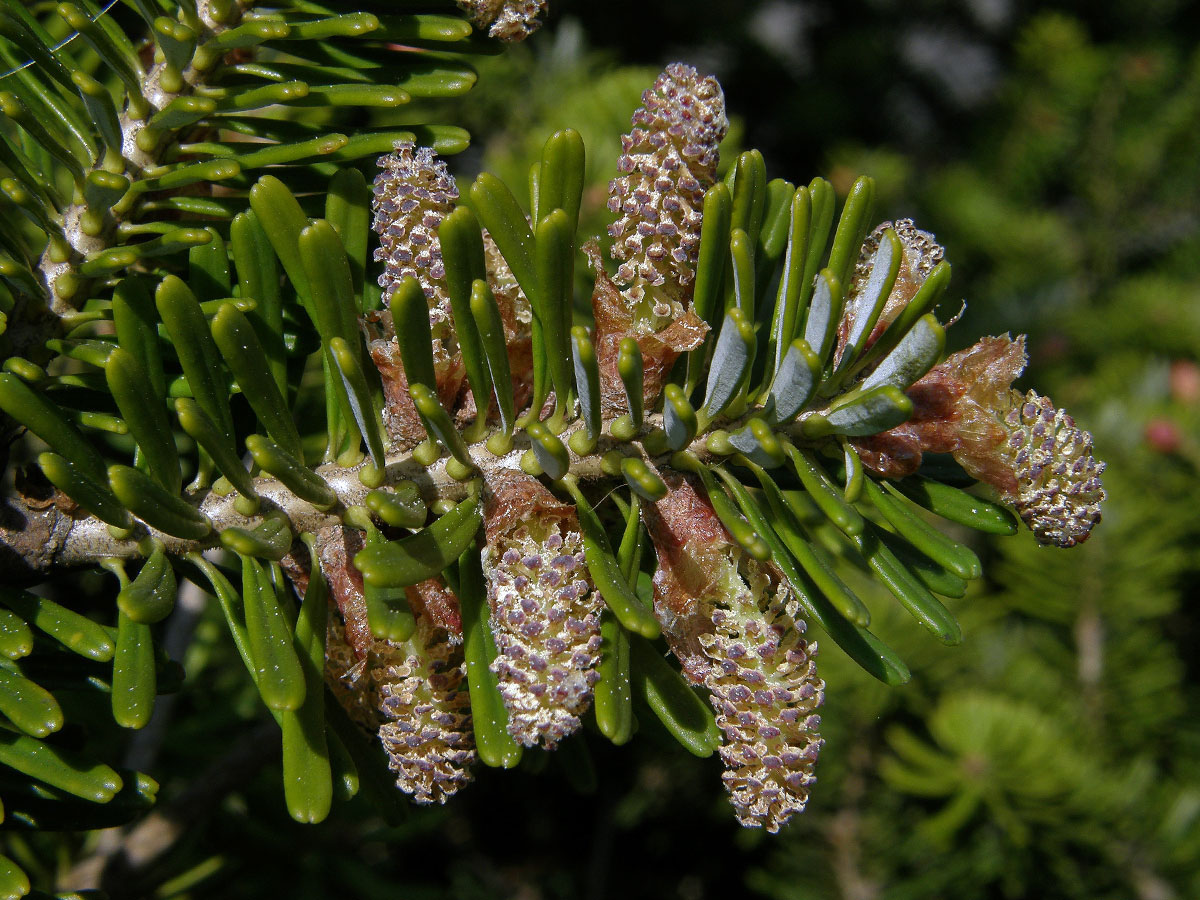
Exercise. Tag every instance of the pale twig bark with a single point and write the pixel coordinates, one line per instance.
(39, 536)
(36, 537)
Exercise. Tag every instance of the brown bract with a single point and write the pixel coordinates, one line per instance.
(510, 499)
(37, 493)
(691, 544)
(1031, 453)
(614, 323)
(933, 428)
(986, 372)
(336, 547)
(958, 408)
(399, 414)
(432, 600)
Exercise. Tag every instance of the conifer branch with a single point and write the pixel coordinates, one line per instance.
(44, 531)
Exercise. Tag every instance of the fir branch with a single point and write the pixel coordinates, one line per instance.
(41, 532)
(136, 160)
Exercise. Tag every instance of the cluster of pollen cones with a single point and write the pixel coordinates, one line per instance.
(730, 621)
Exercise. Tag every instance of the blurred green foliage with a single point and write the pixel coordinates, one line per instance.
(1056, 752)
